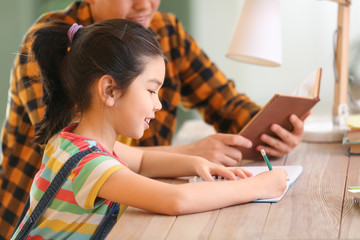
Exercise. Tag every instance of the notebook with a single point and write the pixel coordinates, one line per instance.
(293, 171)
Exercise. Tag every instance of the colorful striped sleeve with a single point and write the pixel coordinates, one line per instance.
(90, 175)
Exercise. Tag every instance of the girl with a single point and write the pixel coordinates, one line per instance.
(108, 76)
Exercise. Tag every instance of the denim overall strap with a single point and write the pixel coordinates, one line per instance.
(52, 190)
(108, 222)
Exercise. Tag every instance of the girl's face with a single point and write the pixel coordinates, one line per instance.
(137, 107)
(141, 11)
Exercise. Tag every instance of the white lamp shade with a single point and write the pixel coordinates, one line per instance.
(257, 35)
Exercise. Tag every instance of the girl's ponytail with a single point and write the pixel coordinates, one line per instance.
(50, 47)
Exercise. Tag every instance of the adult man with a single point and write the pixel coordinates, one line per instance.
(191, 78)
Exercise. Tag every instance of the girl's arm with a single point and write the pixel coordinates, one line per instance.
(127, 187)
(158, 164)
(139, 191)
(163, 165)
(131, 155)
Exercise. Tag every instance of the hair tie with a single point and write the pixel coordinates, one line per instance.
(73, 30)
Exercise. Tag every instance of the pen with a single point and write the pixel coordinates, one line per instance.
(357, 188)
(263, 153)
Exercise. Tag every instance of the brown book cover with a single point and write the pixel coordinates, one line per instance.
(354, 148)
(278, 110)
(353, 135)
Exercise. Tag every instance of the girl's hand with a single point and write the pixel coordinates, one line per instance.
(271, 183)
(207, 170)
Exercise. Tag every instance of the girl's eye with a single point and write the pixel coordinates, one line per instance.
(152, 92)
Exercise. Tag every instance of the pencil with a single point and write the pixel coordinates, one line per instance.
(263, 153)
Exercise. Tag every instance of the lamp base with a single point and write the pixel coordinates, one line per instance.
(321, 129)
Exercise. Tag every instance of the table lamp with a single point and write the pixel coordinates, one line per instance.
(257, 35)
(332, 128)
(342, 63)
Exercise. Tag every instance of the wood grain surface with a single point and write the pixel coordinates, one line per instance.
(316, 206)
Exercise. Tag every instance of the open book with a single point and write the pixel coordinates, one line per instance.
(293, 171)
(279, 109)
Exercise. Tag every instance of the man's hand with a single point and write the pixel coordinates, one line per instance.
(288, 140)
(222, 148)
(219, 148)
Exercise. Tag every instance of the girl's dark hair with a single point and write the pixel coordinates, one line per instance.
(115, 47)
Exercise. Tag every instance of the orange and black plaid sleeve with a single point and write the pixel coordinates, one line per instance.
(21, 157)
(194, 81)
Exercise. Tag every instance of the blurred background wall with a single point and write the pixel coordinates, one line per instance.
(308, 43)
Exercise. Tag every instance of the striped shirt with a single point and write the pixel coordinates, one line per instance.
(76, 211)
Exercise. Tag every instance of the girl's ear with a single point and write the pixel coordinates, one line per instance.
(106, 90)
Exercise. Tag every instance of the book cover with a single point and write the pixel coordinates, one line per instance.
(354, 146)
(353, 122)
(352, 135)
(278, 110)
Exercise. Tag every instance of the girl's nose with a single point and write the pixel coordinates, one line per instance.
(157, 105)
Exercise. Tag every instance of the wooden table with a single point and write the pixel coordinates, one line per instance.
(317, 206)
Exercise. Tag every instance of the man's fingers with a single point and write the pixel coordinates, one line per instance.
(233, 140)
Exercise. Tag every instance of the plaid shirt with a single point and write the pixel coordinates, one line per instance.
(191, 80)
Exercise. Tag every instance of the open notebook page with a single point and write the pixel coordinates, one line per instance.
(293, 171)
